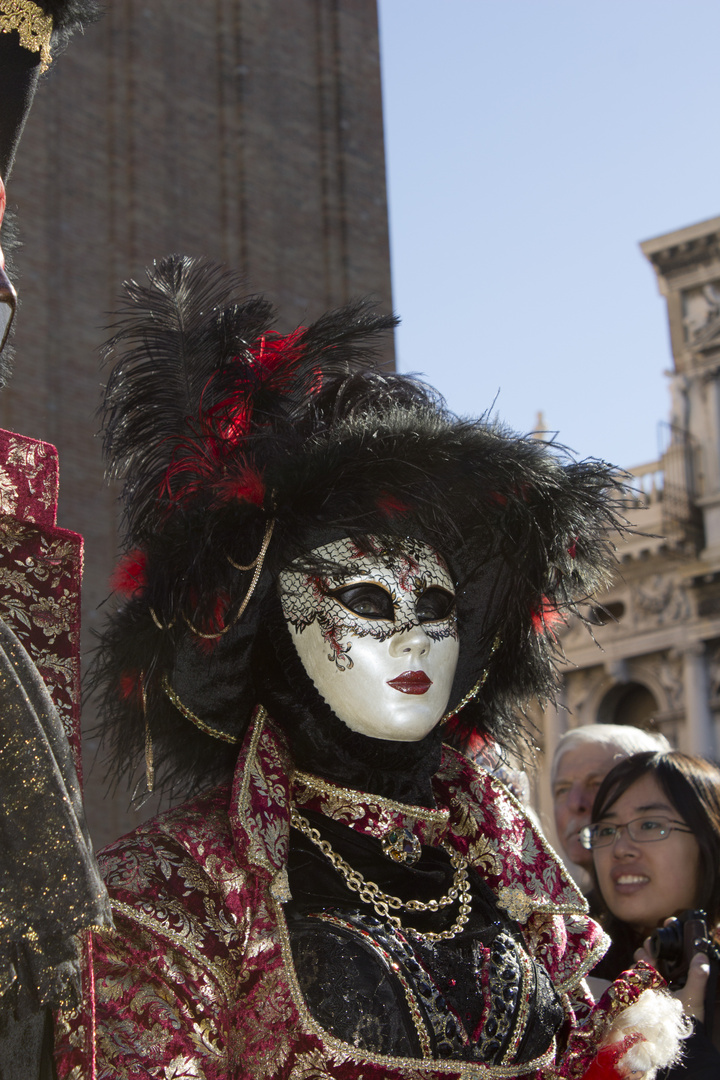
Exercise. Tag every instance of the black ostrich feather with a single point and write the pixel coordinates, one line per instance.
(172, 341)
(191, 361)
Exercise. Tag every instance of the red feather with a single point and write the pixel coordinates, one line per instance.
(278, 351)
(546, 617)
(244, 485)
(465, 735)
(130, 575)
(207, 458)
(391, 506)
(130, 687)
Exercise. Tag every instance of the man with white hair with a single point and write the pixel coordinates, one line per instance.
(582, 760)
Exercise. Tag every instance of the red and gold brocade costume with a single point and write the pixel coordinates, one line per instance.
(198, 980)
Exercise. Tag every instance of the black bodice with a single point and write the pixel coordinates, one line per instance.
(475, 997)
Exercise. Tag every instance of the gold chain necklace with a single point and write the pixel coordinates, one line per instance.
(370, 893)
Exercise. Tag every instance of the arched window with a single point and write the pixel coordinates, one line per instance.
(629, 703)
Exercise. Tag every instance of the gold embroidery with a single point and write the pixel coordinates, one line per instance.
(595, 954)
(516, 902)
(314, 784)
(260, 843)
(250, 764)
(576, 903)
(53, 564)
(183, 943)
(520, 1021)
(8, 493)
(34, 27)
(280, 888)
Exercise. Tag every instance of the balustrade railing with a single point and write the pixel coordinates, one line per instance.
(645, 485)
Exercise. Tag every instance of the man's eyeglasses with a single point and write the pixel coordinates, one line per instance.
(642, 830)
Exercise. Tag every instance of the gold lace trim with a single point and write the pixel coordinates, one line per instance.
(316, 785)
(34, 27)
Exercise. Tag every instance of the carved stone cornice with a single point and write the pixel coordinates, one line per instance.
(684, 254)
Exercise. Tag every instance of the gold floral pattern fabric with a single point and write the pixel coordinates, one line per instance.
(40, 573)
(197, 979)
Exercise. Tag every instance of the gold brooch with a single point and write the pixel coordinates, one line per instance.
(402, 846)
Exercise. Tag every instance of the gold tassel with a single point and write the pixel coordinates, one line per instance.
(258, 563)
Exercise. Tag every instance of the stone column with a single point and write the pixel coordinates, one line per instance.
(554, 725)
(699, 733)
(705, 424)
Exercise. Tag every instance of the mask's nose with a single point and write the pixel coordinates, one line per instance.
(413, 643)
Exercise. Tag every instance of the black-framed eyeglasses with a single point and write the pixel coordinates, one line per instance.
(643, 830)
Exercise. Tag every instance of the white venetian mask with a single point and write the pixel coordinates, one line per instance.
(380, 641)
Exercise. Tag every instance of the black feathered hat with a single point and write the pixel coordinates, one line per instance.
(242, 451)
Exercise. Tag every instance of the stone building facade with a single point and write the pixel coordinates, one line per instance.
(659, 624)
(246, 130)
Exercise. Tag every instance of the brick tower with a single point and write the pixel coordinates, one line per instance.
(246, 130)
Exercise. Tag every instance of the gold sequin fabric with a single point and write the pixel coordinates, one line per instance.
(371, 815)
(50, 886)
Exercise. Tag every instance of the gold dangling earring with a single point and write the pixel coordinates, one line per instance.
(478, 685)
(149, 762)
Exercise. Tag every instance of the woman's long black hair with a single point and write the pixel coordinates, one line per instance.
(692, 785)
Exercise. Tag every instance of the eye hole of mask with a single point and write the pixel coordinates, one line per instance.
(435, 604)
(366, 600)
(373, 602)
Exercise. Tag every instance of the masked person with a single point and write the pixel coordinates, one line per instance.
(329, 578)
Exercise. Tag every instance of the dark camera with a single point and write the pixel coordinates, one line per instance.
(672, 947)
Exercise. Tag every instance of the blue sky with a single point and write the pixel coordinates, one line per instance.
(531, 145)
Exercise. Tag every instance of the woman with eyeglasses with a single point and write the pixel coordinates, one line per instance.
(655, 840)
